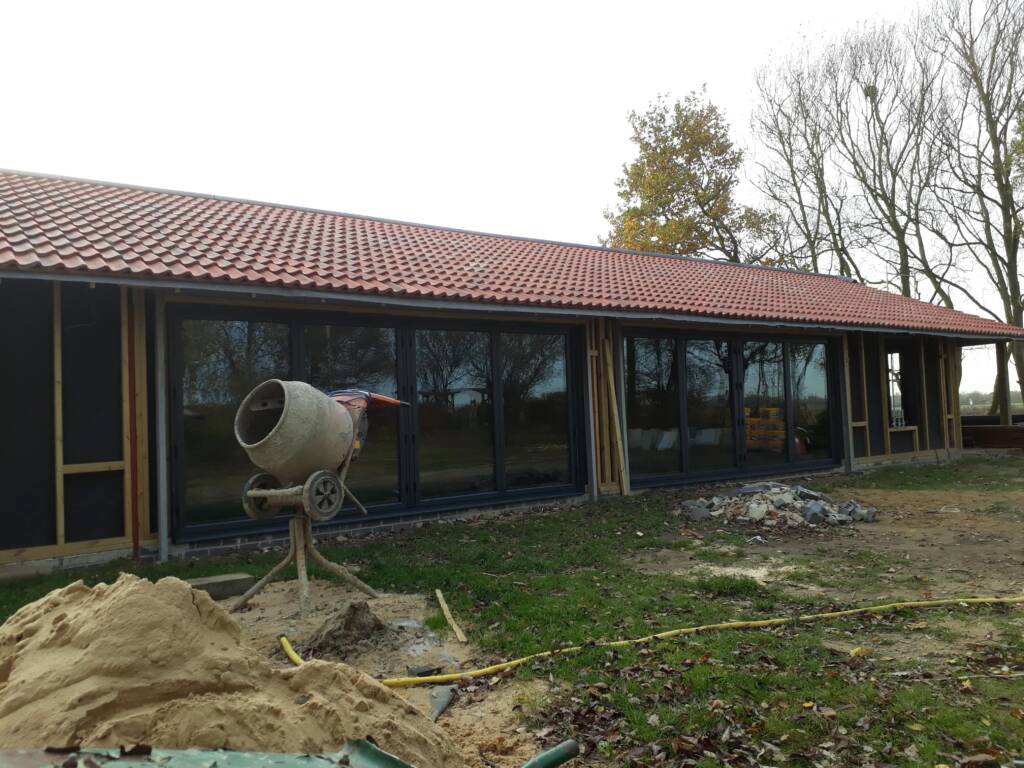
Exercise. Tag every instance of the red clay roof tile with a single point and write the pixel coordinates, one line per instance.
(53, 224)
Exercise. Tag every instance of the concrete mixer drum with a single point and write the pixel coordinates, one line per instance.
(304, 441)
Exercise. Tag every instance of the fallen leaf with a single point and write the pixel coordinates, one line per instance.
(861, 651)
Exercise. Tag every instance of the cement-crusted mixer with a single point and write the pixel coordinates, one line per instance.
(304, 441)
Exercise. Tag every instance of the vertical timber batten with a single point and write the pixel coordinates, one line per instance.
(162, 435)
(58, 415)
(127, 421)
(883, 367)
(846, 406)
(924, 415)
(864, 393)
(1003, 370)
(141, 414)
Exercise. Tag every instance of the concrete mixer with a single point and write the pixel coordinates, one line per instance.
(305, 441)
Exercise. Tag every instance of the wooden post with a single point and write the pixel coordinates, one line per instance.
(883, 365)
(846, 406)
(958, 430)
(602, 406)
(58, 414)
(924, 427)
(593, 481)
(864, 394)
(943, 396)
(613, 412)
(1003, 368)
(141, 411)
(128, 423)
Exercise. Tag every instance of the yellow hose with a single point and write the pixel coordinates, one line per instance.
(407, 682)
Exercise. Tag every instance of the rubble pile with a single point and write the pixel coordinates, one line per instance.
(774, 505)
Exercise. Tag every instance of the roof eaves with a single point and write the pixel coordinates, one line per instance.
(384, 301)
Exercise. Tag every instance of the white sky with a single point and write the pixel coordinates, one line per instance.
(508, 118)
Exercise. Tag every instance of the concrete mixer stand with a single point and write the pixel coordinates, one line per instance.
(300, 546)
(305, 441)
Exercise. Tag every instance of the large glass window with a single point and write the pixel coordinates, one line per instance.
(534, 390)
(222, 360)
(652, 405)
(343, 357)
(455, 412)
(808, 370)
(764, 402)
(709, 412)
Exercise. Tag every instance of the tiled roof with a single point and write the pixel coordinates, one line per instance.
(61, 225)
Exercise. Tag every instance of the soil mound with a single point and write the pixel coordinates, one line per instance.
(162, 664)
(348, 632)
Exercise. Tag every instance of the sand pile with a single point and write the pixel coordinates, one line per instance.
(162, 664)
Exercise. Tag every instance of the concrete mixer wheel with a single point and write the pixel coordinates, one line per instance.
(322, 495)
(258, 509)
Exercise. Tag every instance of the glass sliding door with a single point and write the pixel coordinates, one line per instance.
(221, 361)
(764, 403)
(711, 442)
(536, 409)
(652, 406)
(455, 412)
(344, 357)
(808, 373)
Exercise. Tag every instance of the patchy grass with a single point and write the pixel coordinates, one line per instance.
(979, 473)
(526, 584)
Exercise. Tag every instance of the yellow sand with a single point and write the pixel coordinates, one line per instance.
(162, 664)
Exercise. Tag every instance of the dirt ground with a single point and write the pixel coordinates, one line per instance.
(952, 543)
(486, 718)
(926, 545)
(936, 544)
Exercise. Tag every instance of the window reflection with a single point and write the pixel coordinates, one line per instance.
(652, 405)
(454, 412)
(808, 370)
(709, 409)
(342, 357)
(536, 409)
(764, 402)
(222, 360)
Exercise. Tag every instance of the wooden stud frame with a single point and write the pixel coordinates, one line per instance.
(62, 547)
(883, 367)
(925, 425)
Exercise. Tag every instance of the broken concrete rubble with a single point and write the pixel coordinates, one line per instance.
(773, 504)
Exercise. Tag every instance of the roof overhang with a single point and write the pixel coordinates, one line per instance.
(383, 302)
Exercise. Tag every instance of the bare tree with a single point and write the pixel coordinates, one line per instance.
(882, 90)
(980, 44)
(797, 171)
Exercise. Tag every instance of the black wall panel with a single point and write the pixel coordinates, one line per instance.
(934, 384)
(93, 506)
(26, 391)
(91, 372)
(876, 416)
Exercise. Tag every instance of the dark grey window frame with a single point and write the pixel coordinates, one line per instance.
(833, 354)
(411, 504)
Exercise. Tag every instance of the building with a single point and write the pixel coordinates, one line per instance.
(132, 322)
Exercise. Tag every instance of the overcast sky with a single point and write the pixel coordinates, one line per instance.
(507, 118)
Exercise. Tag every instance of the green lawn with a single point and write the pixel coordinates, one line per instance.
(532, 583)
(980, 473)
